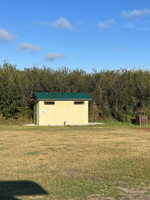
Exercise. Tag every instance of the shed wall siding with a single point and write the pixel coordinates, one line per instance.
(61, 112)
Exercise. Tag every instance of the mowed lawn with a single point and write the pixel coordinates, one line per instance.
(73, 163)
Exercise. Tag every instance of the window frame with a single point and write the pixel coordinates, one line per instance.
(49, 103)
(79, 102)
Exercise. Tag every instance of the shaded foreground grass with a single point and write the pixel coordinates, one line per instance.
(74, 163)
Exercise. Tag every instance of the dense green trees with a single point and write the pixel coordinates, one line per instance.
(118, 95)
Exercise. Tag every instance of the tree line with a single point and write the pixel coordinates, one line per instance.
(116, 94)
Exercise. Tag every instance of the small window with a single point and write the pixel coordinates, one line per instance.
(78, 102)
(49, 103)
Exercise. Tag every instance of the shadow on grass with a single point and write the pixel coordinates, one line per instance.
(10, 189)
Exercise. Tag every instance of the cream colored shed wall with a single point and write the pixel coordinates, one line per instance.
(62, 112)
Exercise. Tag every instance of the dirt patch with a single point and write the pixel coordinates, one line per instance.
(74, 173)
(129, 194)
(98, 197)
(132, 194)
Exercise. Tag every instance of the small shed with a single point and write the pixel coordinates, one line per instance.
(56, 108)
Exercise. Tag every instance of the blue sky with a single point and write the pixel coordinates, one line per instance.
(77, 34)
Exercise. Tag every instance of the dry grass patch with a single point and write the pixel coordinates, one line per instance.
(77, 162)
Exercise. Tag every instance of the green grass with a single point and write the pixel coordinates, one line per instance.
(75, 163)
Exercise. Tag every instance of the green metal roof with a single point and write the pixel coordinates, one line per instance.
(62, 96)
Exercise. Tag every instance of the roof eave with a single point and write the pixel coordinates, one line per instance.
(43, 99)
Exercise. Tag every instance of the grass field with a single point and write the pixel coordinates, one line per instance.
(76, 163)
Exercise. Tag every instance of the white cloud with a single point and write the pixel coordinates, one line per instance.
(59, 23)
(135, 14)
(62, 23)
(25, 46)
(102, 25)
(133, 26)
(54, 56)
(6, 36)
(105, 24)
